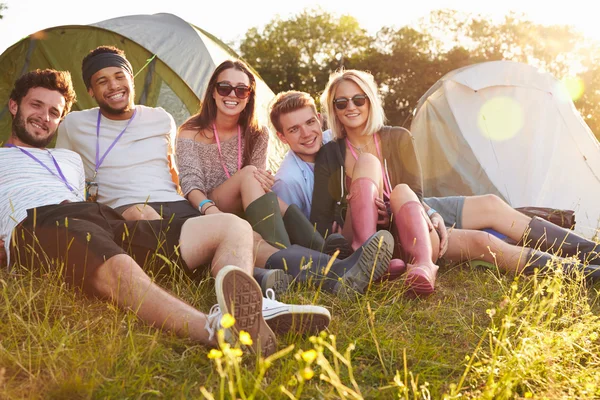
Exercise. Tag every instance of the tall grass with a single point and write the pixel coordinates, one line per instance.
(481, 335)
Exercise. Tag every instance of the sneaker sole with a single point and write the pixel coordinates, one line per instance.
(372, 264)
(301, 320)
(239, 295)
(278, 280)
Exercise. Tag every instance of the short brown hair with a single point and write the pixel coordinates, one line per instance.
(48, 79)
(287, 102)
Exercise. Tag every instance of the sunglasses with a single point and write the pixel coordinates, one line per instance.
(241, 92)
(358, 100)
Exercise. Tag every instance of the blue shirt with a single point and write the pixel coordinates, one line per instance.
(295, 180)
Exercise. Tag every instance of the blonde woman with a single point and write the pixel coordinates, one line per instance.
(371, 175)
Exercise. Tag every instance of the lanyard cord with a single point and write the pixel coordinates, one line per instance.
(60, 175)
(99, 160)
(221, 155)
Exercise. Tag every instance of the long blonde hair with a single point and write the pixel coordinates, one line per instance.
(364, 80)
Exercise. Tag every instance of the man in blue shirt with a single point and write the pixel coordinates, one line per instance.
(298, 124)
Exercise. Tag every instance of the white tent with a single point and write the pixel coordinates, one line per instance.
(506, 128)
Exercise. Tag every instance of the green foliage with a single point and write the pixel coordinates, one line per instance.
(299, 53)
(2, 8)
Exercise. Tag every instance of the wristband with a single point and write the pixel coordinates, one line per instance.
(203, 202)
(430, 212)
(212, 205)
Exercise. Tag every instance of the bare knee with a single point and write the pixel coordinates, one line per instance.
(248, 171)
(490, 202)
(230, 225)
(368, 160)
(401, 194)
(115, 274)
(140, 212)
(479, 241)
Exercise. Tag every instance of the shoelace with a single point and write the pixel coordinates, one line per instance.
(270, 302)
(213, 321)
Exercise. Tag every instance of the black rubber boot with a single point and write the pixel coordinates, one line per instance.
(548, 237)
(354, 274)
(337, 241)
(276, 279)
(305, 234)
(265, 217)
(300, 230)
(544, 263)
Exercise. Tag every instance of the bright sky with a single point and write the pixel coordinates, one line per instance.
(229, 20)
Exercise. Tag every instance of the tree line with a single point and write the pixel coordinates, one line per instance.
(299, 53)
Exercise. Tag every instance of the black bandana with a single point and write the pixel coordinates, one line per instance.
(101, 61)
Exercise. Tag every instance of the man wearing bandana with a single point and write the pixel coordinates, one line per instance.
(46, 225)
(126, 149)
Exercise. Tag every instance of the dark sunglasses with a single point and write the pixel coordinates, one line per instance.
(241, 92)
(358, 100)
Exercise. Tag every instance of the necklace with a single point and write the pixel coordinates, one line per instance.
(360, 149)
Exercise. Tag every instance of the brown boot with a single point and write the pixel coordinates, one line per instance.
(548, 237)
(544, 262)
(413, 232)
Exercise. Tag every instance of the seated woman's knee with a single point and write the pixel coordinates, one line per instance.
(368, 159)
(248, 171)
(401, 194)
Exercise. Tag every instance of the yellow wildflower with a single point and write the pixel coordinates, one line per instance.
(214, 353)
(309, 356)
(245, 338)
(307, 373)
(227, 321)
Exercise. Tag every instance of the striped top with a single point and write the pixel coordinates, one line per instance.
(25, 184)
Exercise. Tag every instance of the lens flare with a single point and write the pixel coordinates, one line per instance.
(500, 118)
(574, 86)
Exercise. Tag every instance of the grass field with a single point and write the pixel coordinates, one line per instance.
(481, 335)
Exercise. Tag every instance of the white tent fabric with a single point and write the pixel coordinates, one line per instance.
(506, 128)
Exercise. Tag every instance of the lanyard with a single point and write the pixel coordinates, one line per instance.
(221, 155)
(60, 175)
(99, 161)
(386, 176)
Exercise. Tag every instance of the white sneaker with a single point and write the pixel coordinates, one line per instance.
(300, 319)
(213, 324)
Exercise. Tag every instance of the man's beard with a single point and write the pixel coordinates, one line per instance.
(19, 129)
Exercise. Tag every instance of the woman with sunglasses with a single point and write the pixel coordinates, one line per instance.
(221, 156)
(373, 172)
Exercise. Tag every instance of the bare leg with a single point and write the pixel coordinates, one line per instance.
(403, 194)
(490, 211)
(234, 195)
(123, 281)
(466, 245)
(140, 212)
(219, 239)
(262, 251)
